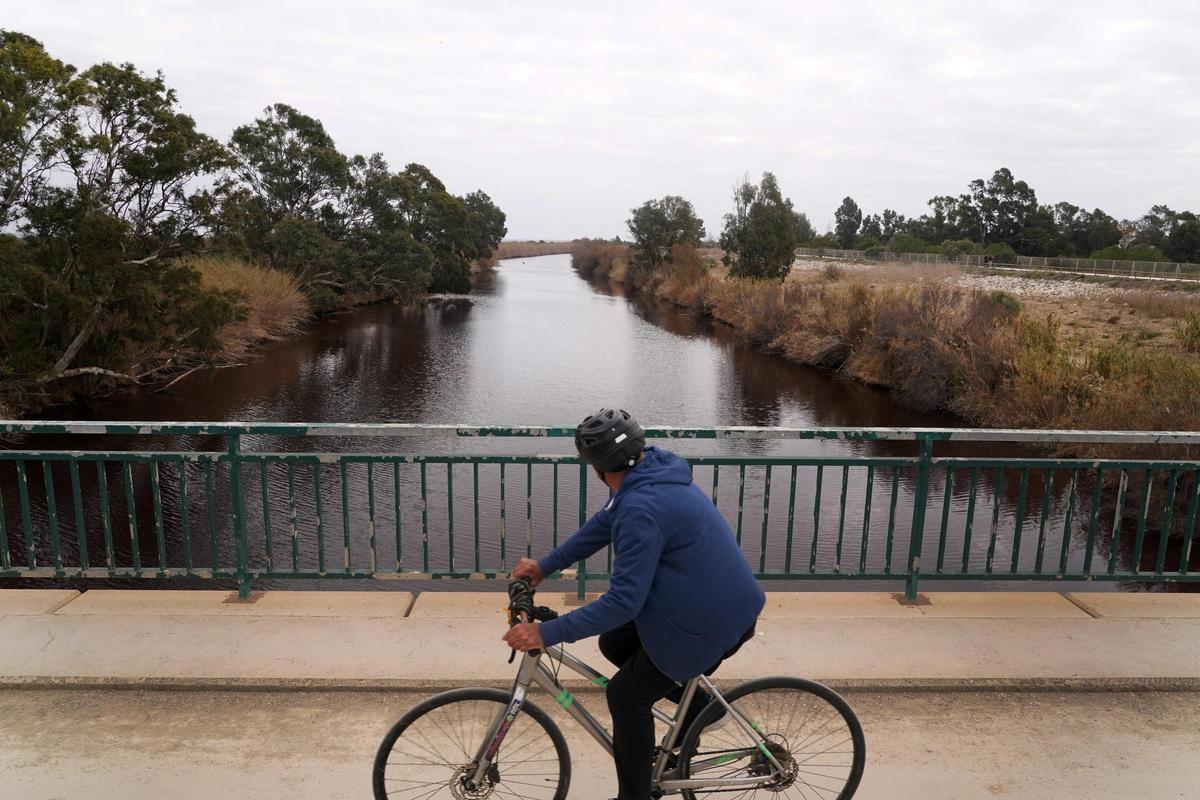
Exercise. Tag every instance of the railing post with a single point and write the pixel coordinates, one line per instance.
(581, 578)
(920, 500)
(242, 571)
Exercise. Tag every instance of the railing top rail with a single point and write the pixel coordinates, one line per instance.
(720, 432)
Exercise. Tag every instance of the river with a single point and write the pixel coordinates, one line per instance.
(537, 345)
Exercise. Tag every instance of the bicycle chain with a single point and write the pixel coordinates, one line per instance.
(731, 789)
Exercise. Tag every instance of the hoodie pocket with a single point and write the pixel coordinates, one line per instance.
(681, 629)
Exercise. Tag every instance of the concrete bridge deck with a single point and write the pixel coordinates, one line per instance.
(389, 640)
(1085, 695)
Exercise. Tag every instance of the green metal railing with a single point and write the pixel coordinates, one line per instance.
(96, 501)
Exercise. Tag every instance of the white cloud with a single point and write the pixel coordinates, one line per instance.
(569, 116)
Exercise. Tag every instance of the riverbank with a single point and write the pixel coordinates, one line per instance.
(531, 249)
(268, 306)
(944, 339)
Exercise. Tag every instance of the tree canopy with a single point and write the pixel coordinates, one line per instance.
(105, 181)
(847, 220)
(659, 225)
(762, 232)
(1002, 214)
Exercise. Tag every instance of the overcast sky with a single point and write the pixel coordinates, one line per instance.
(568, 114)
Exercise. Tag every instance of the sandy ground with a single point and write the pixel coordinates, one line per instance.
(133, 745)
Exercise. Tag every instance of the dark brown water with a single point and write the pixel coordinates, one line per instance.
(535, 345)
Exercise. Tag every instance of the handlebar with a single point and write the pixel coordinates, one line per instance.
(521, 608)
(520, 600)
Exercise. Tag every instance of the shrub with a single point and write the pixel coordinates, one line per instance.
(827, 241)
(599, 258)
(907, 243)
(1007, 305)
(866, 243)
(953, 248)
(1001, 253)
(270, 303)
(1139, 252)
(875, 252)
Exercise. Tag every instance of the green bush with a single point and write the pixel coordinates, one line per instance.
(1139, 252)
(828, 240)
(866, 243)
(907, 243)
(953, 248)
(1007, 305)
(875, 252)
(1001, 253)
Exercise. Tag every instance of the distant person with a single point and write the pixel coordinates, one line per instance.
(681, 599)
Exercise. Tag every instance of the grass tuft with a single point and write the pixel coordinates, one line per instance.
(270, 303)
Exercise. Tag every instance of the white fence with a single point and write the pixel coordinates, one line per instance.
(1082, 266)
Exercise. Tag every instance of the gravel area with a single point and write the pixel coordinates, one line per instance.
(1035, 288)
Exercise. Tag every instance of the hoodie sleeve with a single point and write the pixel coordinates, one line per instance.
(636, 560)
(595, 534)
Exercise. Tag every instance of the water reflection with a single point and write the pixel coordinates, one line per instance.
(535, 345)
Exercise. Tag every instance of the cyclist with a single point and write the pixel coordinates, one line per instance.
(681, 598)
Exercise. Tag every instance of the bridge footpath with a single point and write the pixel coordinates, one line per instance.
(281, 640)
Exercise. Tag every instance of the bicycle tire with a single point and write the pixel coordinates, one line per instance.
(688, 747)
(380, 776)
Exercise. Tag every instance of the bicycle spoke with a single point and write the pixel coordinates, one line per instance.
(437, 747)
(807, 735)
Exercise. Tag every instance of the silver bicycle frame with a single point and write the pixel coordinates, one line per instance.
(533, 671)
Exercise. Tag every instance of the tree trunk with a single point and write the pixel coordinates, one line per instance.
(80, 339)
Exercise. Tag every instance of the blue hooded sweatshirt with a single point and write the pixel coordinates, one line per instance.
(677, 571)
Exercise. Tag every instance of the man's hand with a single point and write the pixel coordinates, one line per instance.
(524, 636)
(528, 568)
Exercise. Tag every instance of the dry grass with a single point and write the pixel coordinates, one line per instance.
(1158, 305)
(600, 258)
(1188, 332)
(530, 249)
(982, 355)
(270, 302)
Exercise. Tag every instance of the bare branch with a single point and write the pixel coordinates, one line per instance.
(73, 373)
(177, 380)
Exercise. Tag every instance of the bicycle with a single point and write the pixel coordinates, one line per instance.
(778, 734)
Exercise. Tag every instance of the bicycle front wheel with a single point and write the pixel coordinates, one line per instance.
(430, 751)
(811, 732)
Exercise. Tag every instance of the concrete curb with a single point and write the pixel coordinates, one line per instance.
(432, 685)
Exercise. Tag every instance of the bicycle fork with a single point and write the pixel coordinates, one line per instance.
(500, 726)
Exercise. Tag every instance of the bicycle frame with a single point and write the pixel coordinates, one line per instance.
(533, 672)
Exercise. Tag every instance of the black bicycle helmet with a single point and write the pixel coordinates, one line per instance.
(610, 440)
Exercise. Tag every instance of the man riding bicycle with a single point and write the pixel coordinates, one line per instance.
(681, 598)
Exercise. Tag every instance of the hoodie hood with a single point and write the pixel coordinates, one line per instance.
(657, 466)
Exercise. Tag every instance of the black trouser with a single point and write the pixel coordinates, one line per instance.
(631, 693)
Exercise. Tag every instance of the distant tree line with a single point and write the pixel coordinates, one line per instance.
(1002, 215)
(104, 182)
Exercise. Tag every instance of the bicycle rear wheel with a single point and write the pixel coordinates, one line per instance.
(811, 732)
(431, 749)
